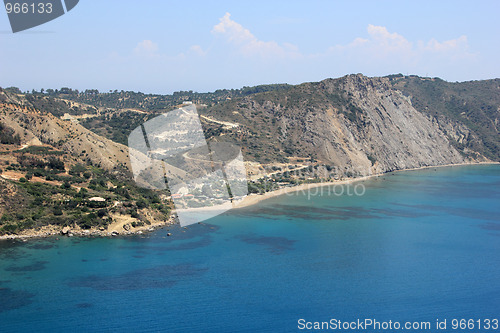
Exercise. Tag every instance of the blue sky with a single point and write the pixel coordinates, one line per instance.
(165, 46)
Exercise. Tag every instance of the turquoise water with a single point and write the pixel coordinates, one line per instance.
(420, 245)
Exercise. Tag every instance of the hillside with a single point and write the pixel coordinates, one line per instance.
(55, 144)
(355, 122)
(468, 111)
(56, 174)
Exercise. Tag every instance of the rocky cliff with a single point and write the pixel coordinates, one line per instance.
(355, 122)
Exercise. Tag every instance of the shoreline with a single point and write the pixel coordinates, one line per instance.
(250, 200)
(253, 199)
(53, 231)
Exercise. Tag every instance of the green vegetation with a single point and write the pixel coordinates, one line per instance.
(275, 123)
(117, 126)
(41, 150)
(474, 104)
(47, 99)
(65, 199)
(371, 158)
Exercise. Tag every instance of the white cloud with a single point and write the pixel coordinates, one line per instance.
(233, 31)
(248, 44)
(383, 36)
(393, 52)
(433, 45)
(388, 42)
(198, 50)
(380, 44)
(146, 48)
(241, 58)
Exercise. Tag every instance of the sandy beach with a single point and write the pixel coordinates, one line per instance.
(253, 199)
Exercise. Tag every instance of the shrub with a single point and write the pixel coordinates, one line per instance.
(102, 212)
(77, 169)
(55, 163)
(141, 204)
(371, 158)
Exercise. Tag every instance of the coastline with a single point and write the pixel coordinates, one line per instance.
(250, 200)
(253, 199)
(52, 231)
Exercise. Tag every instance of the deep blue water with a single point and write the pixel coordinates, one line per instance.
(417, 245)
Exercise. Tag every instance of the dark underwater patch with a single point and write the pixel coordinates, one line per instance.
(35, 266)
(202, 242)
(143, 249)
(318, 214)
(41, 246)
(310, 213)
(490, 226)
(158, 277)
(14, 299)
(178, 233)
(84, 305)
(399, 212)
(12, 250)
(275, 245)
(470, 213)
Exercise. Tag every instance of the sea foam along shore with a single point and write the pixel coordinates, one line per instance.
(250, 200)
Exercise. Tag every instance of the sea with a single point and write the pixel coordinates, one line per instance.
(411, 247)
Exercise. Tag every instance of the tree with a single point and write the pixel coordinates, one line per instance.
(102, 212)
(77, 170)
(55, 163)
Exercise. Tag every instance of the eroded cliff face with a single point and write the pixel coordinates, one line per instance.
(359, 125)
(355, 123)
(394, 134)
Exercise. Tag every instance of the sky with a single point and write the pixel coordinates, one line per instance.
(166, 46)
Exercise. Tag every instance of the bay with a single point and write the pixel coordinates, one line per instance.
(416, 246)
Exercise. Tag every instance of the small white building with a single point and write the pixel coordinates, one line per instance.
(97, 199)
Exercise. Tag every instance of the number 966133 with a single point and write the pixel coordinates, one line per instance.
(28, 8)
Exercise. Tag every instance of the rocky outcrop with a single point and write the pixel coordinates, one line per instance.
(394, 134)
(358, 124)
